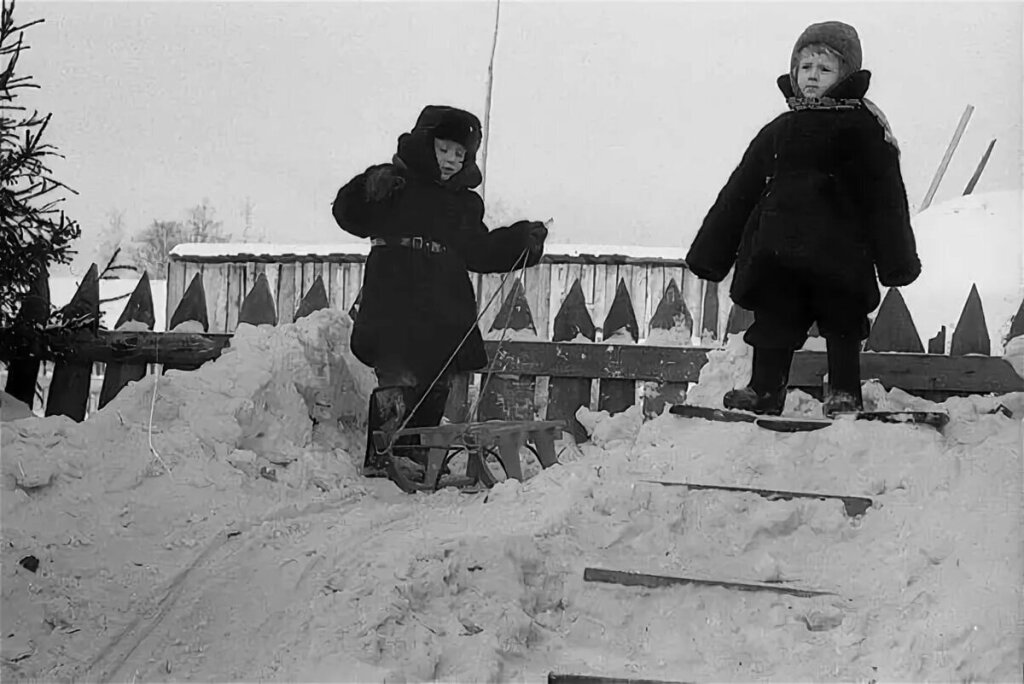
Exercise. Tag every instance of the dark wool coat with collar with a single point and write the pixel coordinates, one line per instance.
(818, 191)
(416, 306)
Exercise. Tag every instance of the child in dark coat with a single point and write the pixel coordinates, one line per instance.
(816, 206)
(416, 323)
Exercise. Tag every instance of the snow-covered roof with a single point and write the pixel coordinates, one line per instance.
(357, 251)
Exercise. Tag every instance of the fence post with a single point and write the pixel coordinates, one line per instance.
(670, 314)
(71, 380)
(139, 308)
(894, 329)
(565, 395)
(616, 395)
(504, 396)
(34, 311)
(971, 333)
(258, 306)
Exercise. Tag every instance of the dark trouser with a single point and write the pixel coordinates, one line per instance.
(786, 308)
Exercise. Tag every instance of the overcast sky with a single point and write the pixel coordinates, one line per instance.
(616, 119)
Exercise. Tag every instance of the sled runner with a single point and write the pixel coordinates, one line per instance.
(936, 419)
(418, 458)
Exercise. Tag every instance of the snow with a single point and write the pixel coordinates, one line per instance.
(229, 250)
(977, 239)
(188, 562)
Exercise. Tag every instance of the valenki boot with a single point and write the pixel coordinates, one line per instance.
(766, 393)
(844, 391)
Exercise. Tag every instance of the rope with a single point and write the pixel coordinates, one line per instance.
(152, 410)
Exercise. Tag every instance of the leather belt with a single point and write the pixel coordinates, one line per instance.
(411, 243)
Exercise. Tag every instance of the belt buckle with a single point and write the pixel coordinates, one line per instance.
(417, 243)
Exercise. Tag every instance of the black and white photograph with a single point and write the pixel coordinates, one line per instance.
(542, 341)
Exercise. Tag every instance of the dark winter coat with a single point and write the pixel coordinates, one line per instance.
(819, 191)
(418, 306)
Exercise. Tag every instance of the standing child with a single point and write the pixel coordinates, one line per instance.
(416, 323)
(814, 208)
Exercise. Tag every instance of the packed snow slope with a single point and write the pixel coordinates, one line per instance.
(250, 549)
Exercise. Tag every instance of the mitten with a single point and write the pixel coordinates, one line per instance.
(382, 182)
(898, 278)
(537, 235)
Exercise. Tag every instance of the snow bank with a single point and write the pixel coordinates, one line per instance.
(217, 573)
(270, 424)
(977, 239)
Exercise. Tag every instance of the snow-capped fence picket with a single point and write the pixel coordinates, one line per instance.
(544, 366)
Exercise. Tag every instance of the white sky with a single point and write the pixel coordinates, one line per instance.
(614, 118)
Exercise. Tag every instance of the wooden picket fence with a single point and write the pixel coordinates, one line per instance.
(547, 378)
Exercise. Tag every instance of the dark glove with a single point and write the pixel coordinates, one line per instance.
(900, 277)
(897, 279)
(382, 182)
(538, 233)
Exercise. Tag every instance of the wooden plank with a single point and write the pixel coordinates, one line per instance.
(71, 381)
(616, 395)
(981, 167)
(894, 329)
(175, 288)
(287, 297)
(937, 344)
(670, 313)
(554, 678)
(236, 294)
(215, 283)
(492, 294)
(557, 292)
(353, 284)
(638, 579)
(505, 396)
(258, 307)
(693, 297)
(272, 273)
(457, 406)
(587, 280)
(636, 284)
(656, 284)
(538, 294)
(946, 157)
(566, 395)
(603, 293)
(117, 375)
(309, 275)
(336, 287)
(912, 372)
(34, 311)
(514, 313)
(192, 306)
(1016, 324)
(314, 300)
(971, 333)
(709, 312)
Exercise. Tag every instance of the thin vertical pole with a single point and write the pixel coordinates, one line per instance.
(947, 157)
(487, 105)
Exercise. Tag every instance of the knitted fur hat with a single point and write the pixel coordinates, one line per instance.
(841, 38)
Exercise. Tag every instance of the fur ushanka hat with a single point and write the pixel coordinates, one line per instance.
(840, 37)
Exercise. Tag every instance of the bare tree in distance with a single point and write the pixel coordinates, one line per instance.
(152, 249)
(200, 225)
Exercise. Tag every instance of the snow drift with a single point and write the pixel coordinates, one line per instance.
(261, 556)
